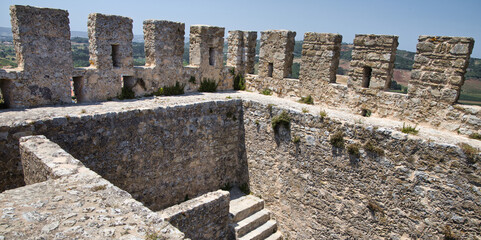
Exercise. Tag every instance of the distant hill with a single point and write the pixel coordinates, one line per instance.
(6, 35)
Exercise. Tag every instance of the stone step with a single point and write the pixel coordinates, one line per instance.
(276, 236)
(261, 232)
(251, 222)
(243, 207)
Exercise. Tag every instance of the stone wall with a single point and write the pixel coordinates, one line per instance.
(372, 61)
(204, 217)
(439, 67)
(276, 53)
(160, 155)
(42, 44)
(73, 202)
(397, 186)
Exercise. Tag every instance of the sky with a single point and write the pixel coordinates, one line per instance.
(405, 18)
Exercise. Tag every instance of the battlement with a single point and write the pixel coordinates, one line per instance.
(45, 66)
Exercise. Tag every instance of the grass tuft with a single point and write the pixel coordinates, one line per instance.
(208, 85)
(126, 93)
(266, 91)
(409, 129)
(307, 100)
(469, 151)
(353, 149)
(337, 139)
(282, 119)
(475, 136)
(177, 89)
(369, 147)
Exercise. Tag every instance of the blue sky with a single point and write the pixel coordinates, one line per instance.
(405, 18)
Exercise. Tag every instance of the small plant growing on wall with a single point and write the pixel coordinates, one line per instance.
(470, 152)
(307, 100)
(475, 136)
(369, 147)
(296, 139)
(322, 114)
(409, 129)
(337, 139)
(282, 119)
(177, 89)
(266, 91)
(126, 93)
(353, 149)
(239, 82)
(208, 85)
(366, 112)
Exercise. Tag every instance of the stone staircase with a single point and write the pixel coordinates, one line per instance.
(249, 220)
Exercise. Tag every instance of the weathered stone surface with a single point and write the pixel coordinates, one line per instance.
(412, 188)
(276, 53)
(204, 217)
(42, 44)
(79, 204)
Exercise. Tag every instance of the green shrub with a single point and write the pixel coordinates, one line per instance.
(239, 82)
(296, 139)
(307, 100)
(475, 136)
(409, 129)
(369, 147)
(353, 149)
(208, 85)
(245, 188)
(282, 119)
(177, 89)
(192, 79)
(266, 91)
(337, 139)
(126, 93)
(305, 110)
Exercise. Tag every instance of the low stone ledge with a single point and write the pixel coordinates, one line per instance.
(43, 160)
(204, 217)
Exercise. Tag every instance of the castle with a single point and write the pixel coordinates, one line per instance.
(153, 167)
